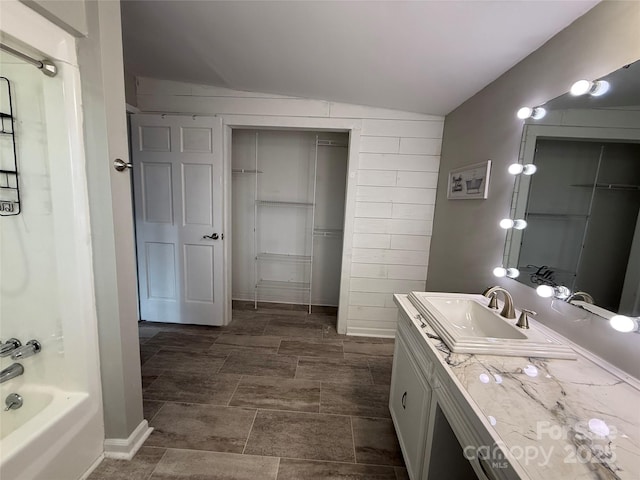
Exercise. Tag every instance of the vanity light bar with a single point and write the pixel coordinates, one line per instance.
(518, 168)
(518, 224)
(506, 272)
(595, 89)
(535, 113)
(548, 291)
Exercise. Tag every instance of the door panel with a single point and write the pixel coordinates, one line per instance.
(157, 197)
(178, 199)
(409, 400)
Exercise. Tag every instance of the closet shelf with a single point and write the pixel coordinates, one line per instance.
(609, 186)
(283, 257)
(330, 143)
(284, 285)
(277, 203)
(243, 170)
(327, 232)
(565, 215)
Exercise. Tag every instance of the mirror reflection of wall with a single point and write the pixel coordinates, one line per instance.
(582, 215)
(582, 205)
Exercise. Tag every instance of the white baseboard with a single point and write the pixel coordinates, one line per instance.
(125, 449)
(371, 332)
(93, 466)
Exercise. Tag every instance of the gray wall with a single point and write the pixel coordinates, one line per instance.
(467, 242)
(101, 69)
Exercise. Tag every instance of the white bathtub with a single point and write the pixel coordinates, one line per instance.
(52, 423)
(46, 275)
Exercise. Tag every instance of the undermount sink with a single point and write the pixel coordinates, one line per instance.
(467, 325)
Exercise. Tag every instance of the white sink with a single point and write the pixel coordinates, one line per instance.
(467, 325)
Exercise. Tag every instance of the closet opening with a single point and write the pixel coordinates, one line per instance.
(288, 195)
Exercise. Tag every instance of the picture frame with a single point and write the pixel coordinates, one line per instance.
(470, 182)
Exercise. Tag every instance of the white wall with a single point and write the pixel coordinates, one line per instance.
(397, 170)
(70, 15)
(465, 250)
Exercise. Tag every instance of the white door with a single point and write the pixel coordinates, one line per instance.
(177, 172)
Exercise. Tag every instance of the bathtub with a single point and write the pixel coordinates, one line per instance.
(53, 423)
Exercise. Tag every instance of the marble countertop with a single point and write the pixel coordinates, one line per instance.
(564, 419)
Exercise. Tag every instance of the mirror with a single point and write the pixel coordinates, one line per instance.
(582, 204)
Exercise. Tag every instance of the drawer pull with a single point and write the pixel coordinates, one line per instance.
(404, 400)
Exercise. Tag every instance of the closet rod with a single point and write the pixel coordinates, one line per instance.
(45, 65)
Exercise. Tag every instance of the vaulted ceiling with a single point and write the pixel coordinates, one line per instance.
(426, 56)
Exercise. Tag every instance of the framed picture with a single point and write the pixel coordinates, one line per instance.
(470, 182)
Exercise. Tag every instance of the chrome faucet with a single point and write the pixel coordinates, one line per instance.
(31, 348)
(583, 295)
(492, 293)
(9, 346)
(12, 371)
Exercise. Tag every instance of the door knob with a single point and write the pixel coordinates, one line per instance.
(213, 236)
(120, 165)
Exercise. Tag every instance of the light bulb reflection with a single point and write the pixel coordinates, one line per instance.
(506, 223)
(624, 324)
(500, 272)
(545, 291)
(513, 272)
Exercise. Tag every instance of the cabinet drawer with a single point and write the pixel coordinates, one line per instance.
(416, 344)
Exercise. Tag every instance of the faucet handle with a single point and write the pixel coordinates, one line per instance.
(31, 348)
(9, 346)
(523, 321)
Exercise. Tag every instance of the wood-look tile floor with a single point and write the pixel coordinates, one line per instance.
(276, 395)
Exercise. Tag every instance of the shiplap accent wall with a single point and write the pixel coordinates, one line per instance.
(396, 186)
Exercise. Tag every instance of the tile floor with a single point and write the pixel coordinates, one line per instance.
(276, 395)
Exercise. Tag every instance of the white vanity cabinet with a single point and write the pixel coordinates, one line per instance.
(409, 401)
(432, 418)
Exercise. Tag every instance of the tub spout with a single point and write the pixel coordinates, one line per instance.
(12, 371)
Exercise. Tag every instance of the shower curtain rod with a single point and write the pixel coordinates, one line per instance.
(45, 65)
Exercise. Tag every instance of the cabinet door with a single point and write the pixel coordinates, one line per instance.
(409, 402)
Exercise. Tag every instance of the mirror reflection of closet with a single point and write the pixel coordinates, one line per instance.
(582, 216)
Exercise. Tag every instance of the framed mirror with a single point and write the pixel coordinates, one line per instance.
(581, 207)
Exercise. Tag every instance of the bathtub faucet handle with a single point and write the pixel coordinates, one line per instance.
(13, 402)
(8, 347)
(31, 348)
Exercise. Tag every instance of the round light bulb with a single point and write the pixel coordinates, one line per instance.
(500, 272)
(506, 223)
(580, 87)
(545, 291)
(515, 168)
(529, 169)
(562, 292)
(519, 224)
(600, 88)
(624, 324)
(538, 113)
(524, 113)
(513, 272)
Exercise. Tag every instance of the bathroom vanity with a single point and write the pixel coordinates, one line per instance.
(466, 416)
